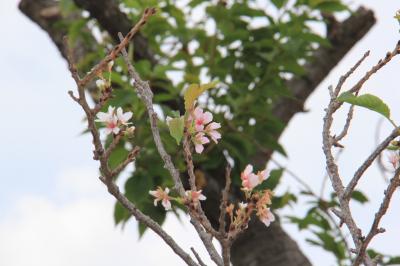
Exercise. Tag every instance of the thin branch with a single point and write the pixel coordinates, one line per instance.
(197, 257)
(99, 68)
(343, 78)
(146, 95)
(189, 161)
(333, 171)
(141, 217)
(130, 158)
(381, 63)
(367, 163)
(224, 201)
(393, 185)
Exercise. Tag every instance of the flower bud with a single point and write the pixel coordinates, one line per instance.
(110, 65)
(101, 84)
(130, 131)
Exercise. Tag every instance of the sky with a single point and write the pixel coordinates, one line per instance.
(54, 210)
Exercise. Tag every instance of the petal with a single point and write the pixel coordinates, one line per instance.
(248, 169)
(111, 110)
(116, 130)
(167, 204)
(213, 126)
(127, 116)
(198, 112)
(199, 148)
(103, 117)
(207, 117)
(215, 135)
(204, 140)
(202, 197)
(108, 130)
(253, 180)
(153, 193)
(199, 127)
(166, 190)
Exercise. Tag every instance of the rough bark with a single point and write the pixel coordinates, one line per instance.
(257, 246)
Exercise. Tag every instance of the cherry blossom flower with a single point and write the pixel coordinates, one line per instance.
(199, 140)
(110, 120)
(394, 159)
(251, 180)
(266, 216)
(211, 131)
(195, 196)
(161, 195)
(123, 117)
(201, 118)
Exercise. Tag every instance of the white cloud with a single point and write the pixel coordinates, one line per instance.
(79, 230)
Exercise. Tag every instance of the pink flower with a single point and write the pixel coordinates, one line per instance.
(201, 118)
(251, 180)
(161, 195)
(394, 159)
(110, 120)
(199, 140)
(266, 216)
(123, 117)
(211, 131)
(195, 195)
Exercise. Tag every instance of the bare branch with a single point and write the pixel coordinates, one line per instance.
(224, 201)
(367, 163)
(197, 257)
(148, 12)
(393, 185)
(381, 63)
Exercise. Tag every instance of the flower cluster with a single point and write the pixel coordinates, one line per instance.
(257, 201)
(163, 196)
(114, 120)
(201, 127)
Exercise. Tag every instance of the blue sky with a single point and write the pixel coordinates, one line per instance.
(54, 211)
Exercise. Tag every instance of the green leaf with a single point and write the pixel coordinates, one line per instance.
(331, 6)
(278, 3)
(393, 261)
(359, 196)
(194, 91)
(118, 155)
(137, 187)
(176, 126)
(368, 101)
(120, 213)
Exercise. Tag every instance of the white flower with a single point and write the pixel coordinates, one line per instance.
(110, 120)
(161, 195)
(123, 117)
